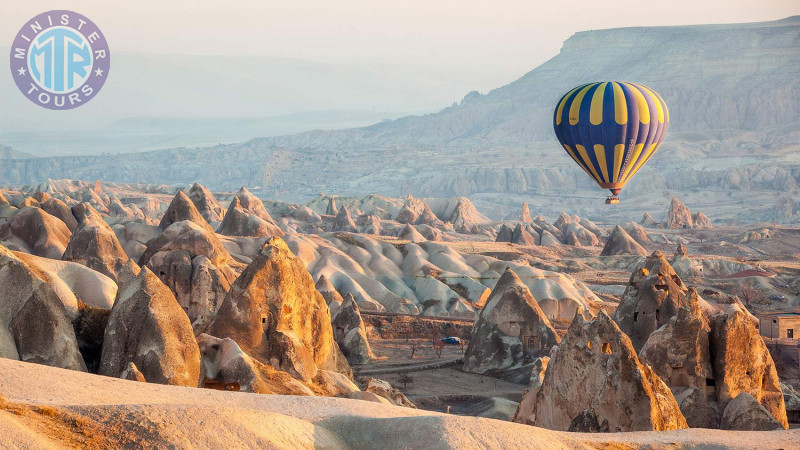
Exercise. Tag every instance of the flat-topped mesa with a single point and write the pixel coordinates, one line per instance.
(275, 314)
(206, 203)
(621, 243)
(180, 209)
(511, 331)
(653, 296)
(94, 244)
(148, 328)
(595, 383)
(239, 222)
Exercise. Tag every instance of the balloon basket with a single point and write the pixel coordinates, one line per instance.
(613, 200)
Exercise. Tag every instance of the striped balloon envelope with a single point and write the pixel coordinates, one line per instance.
(611, 129)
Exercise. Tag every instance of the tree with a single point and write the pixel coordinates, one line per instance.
(405, 378)
(438, 347)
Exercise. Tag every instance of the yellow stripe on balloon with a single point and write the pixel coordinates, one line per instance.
(600, 154)
(620, 106)
(596, 110)
(644, 110)
(647, 158)
(637, 150)
(619, 152)
(640, 163)
(656, 101)
(585, 157)
(574, 108)
(575, 158)
(561, 105)
(664, 104)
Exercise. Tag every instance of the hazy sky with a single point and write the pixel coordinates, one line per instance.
(509, 37)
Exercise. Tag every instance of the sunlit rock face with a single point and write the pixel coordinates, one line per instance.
(275, 315)
(148, 328)
(595, 382)
(94, 244)
(653, 296)
(510, 333)
(35, 325)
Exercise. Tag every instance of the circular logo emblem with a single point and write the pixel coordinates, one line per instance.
(60, 59)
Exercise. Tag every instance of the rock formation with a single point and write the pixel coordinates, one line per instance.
(132, 373)
(406, 215)
(548, 239)
(385, 390)
(332, 210)
(621, 243)
(36, 327)
(679, 215)
(526, 213)
(430, 233)
(521, 236)
(181, 209)
(745, 413)
(683, 265)
(94, 244)
(679, 353)
(653, 296)
(701, 220)
(510, 333)
(193, 263)
(409, 233)
(742, 364)
(238, 222)
(504, 234)
(148, 328)
(60, 210)
(427, 217)
(637, 232)
(43, 234)
(206, 203)
(253, 205)
(276, 316)
(343, 222)
(332, 297)
(224, 362)
(350, 333)
(647, 220)
(595, 382)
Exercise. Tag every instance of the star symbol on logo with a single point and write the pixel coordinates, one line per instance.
(98, 72)
(21, 71)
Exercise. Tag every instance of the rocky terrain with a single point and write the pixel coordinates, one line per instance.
(351, 297)
(733, 137)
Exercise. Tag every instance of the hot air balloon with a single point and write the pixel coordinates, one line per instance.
(611, 129)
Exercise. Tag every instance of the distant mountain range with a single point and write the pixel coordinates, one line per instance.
(734, 98)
